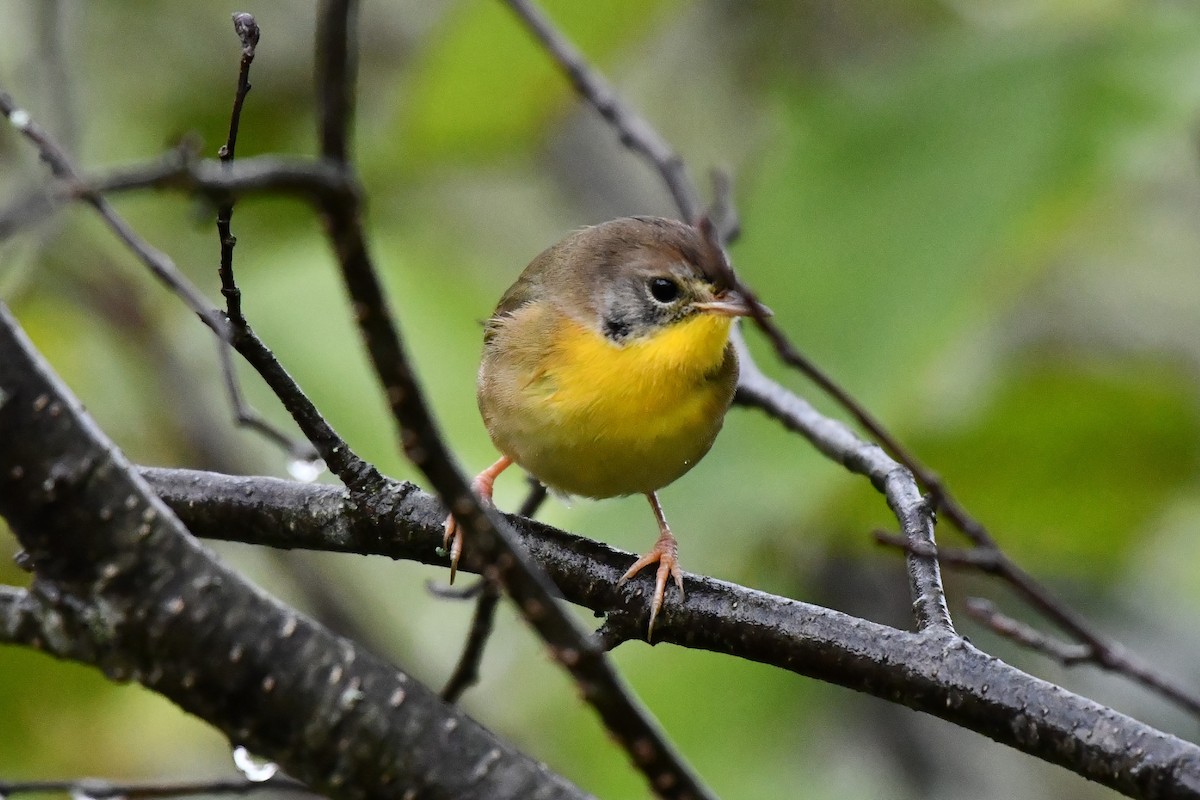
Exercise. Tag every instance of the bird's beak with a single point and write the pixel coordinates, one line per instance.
(729, 303)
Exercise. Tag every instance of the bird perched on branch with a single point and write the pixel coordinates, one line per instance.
(607, 369)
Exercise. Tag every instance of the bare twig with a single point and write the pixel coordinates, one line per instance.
(466, 671)
(311, 180)
(351, 469)
(158, 262)
(98, 789)
(1091, 649)
(723, 211)
(839, 443)
(248, 31)
(220, 180)
(63, 168)
(986, 613)
(336, 67)
(488, 535)
(634, 131)
(533, 501)
(306, 180)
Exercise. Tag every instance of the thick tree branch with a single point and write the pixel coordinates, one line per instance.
(119, 583)
(930, 671)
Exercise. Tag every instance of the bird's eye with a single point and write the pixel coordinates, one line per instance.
(664, 290)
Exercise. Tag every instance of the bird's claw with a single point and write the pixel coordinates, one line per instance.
(452, 541)
(666, 556)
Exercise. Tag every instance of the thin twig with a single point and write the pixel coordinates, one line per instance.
(248, 32)
(158, 262)
(336, 67)
(310, 180)
(63, 168)
(723, 211)
(634, 131)
(351, 469)
(329, 446)
(99, 789)
(466, 671)
(839, 443)
(489, 537)
(1104, 653)
(986, 613)
(533, 501)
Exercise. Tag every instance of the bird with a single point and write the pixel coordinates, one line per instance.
(607, 370)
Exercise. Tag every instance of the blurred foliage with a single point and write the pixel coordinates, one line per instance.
(980, 216)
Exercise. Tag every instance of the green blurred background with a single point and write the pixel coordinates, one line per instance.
(982, 217)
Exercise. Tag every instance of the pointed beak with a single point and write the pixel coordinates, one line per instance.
(729, 304)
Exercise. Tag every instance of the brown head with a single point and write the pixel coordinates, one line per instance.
(631, 276)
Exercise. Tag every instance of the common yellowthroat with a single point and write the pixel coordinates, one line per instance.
(607, 369)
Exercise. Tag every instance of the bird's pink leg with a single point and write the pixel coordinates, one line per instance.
(482, 486)
(666, 553)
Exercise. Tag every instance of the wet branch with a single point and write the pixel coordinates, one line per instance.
(941, 675)
(120, 584)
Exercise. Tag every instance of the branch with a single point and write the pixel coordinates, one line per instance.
(633, 130)
(929, 671)
(313, 181)
(106, 790)
(222, 180)
(64, 169)
(839, 443)
(120, 584)
(466, 671)
(1091, 647)
(319, 183)
(986, 613)
(248, 31)
(490, 539)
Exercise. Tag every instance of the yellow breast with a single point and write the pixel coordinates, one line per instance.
(593, 417)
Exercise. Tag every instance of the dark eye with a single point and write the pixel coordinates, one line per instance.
(664, 290)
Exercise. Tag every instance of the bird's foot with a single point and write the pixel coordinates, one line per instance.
(666, 554)
(483, 485)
